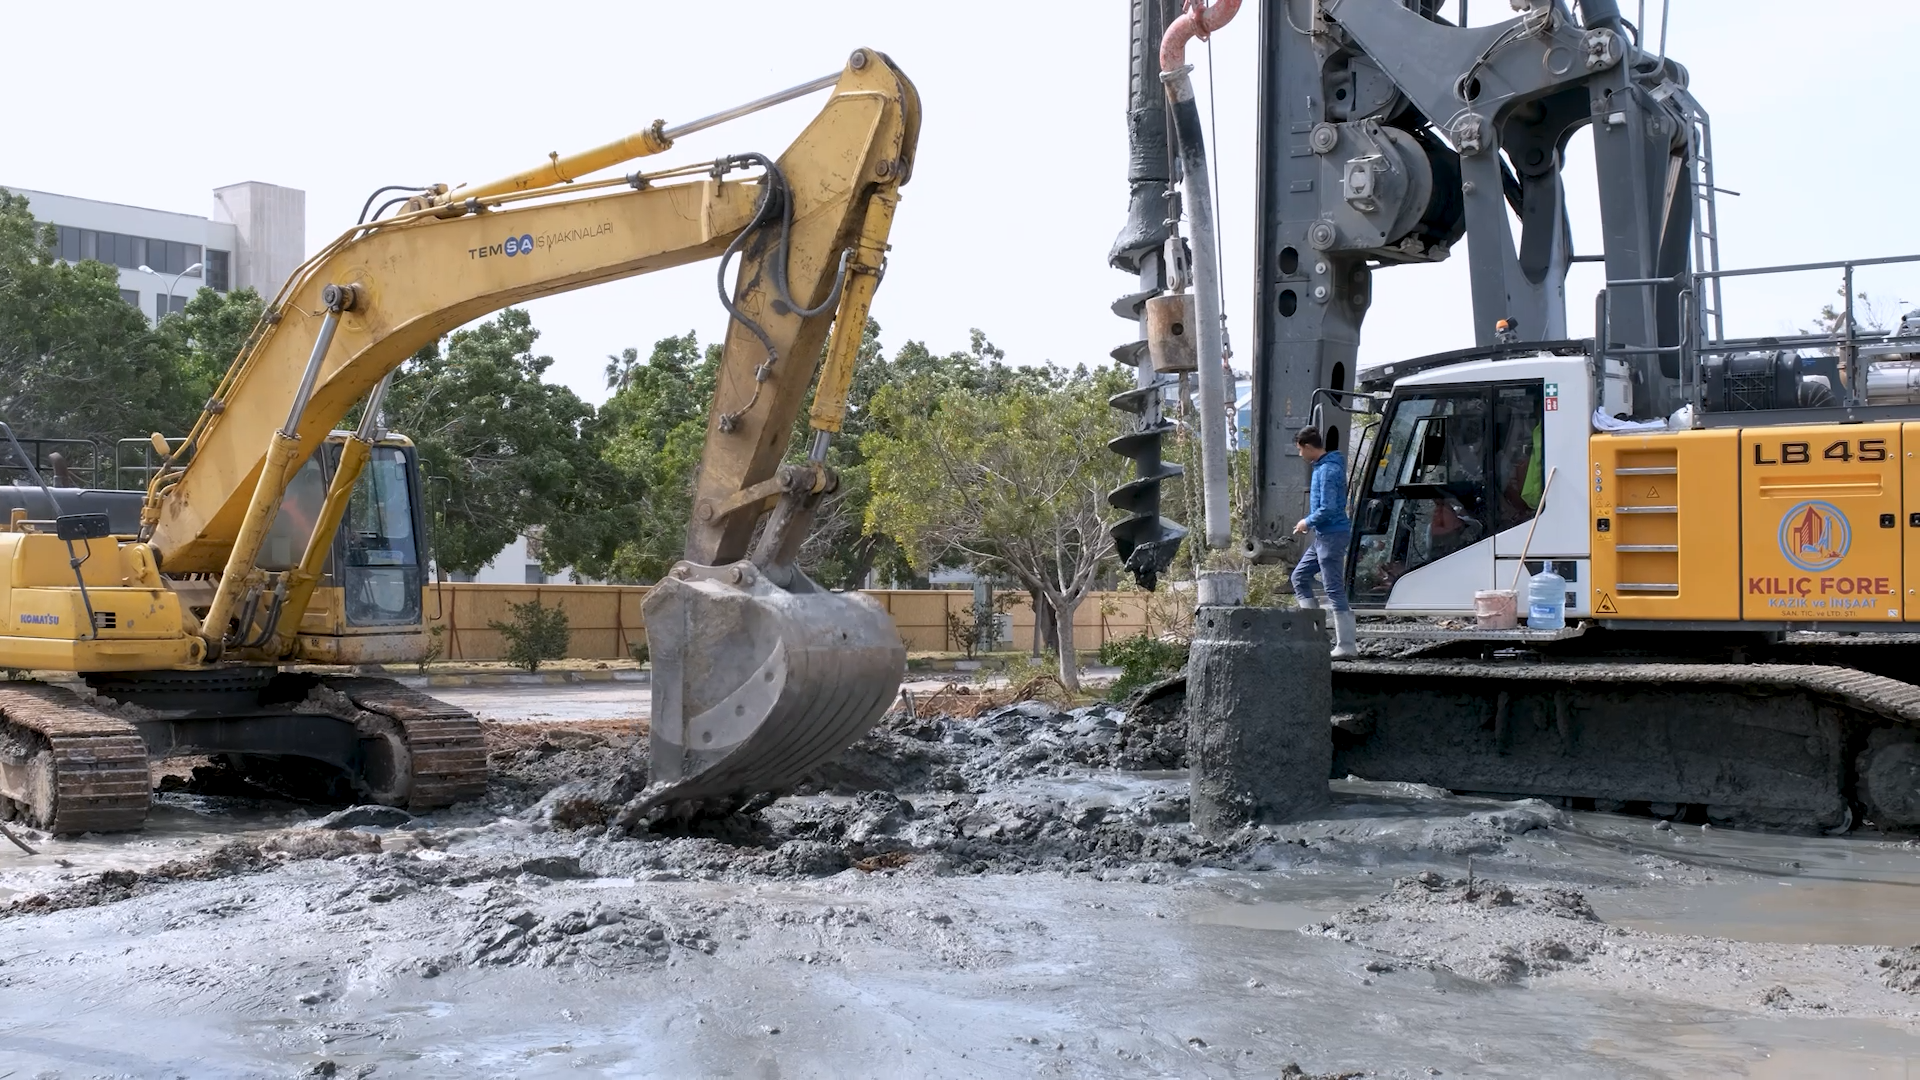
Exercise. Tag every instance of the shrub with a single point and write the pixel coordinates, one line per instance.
(963, 632)
(436, 644)
(967, 626)
(1142, 659)
(537, 633)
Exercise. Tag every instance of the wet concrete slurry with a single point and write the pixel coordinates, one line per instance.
(1714, 953)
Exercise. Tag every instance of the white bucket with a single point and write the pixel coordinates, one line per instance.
(1496, 609)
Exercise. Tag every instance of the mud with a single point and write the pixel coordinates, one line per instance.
(1014, 896)
(1501, 934)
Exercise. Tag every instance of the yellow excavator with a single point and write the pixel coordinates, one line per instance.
(185, 610)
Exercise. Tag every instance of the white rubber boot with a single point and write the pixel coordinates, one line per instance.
(1346, 638)
(1311, 603)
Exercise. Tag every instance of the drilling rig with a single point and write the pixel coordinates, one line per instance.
(1730, 514)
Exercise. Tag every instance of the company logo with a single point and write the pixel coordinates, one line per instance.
(1815, 536)
(527, 243)
(40, 620)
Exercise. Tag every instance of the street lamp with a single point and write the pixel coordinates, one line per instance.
(145, 269)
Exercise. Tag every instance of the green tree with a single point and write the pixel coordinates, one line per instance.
(205, 338)
(76, 360)
(650, 434)
(1012, 480)
(915, 378)
(513, 449)
(1869, 315)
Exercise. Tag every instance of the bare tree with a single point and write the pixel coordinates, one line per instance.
(1013, 482)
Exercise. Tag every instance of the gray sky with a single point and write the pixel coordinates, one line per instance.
(1020, 185)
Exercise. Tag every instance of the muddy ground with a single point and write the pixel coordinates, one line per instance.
(1017, 895)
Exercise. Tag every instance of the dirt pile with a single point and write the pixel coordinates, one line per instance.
(933, 795)
(1901, 970)
(1292, 1071)
(526, 761)
(507, 930)
(228, 860)
(1514, 931)
(1022, 788)
(942, 753)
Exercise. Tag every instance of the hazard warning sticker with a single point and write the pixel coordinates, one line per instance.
(1605, 606)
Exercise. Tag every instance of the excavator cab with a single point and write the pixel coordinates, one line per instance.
(1449, 466)
(367, 606)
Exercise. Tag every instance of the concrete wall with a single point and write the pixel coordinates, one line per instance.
(272, 225)
(606, 619)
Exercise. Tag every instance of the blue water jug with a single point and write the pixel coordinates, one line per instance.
(1546, 600)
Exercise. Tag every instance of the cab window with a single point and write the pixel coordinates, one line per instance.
(381, 576)
(1433, 487)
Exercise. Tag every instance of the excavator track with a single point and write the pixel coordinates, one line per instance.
(68, 768)
(444, 746)
(1788, 745)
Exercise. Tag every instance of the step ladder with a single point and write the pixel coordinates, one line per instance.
(1706, 218)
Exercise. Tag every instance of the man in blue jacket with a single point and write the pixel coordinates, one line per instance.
(1327, 530)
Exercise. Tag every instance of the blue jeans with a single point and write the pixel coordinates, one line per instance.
(1325, 558)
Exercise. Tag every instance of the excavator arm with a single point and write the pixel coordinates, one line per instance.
(754, 665)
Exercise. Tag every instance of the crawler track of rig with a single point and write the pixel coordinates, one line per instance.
(1770, 744)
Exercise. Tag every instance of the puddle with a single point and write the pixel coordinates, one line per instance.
(1804, 911)
(1269, 914)
(605, 883)
(1279, 903)
(179, 826)
(1796, 1049)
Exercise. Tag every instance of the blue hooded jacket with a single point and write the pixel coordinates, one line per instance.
(1327, 498)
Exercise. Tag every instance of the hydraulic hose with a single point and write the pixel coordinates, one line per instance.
(776, 198)
(1189, 134)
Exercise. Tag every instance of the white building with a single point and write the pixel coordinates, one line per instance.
(255, 238)
(519, 564)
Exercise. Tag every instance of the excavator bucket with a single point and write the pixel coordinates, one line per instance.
(755, 684)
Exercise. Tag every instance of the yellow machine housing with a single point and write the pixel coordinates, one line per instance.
(1773, 526)
(1784, 523)
(365, 609)
(136, 617)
